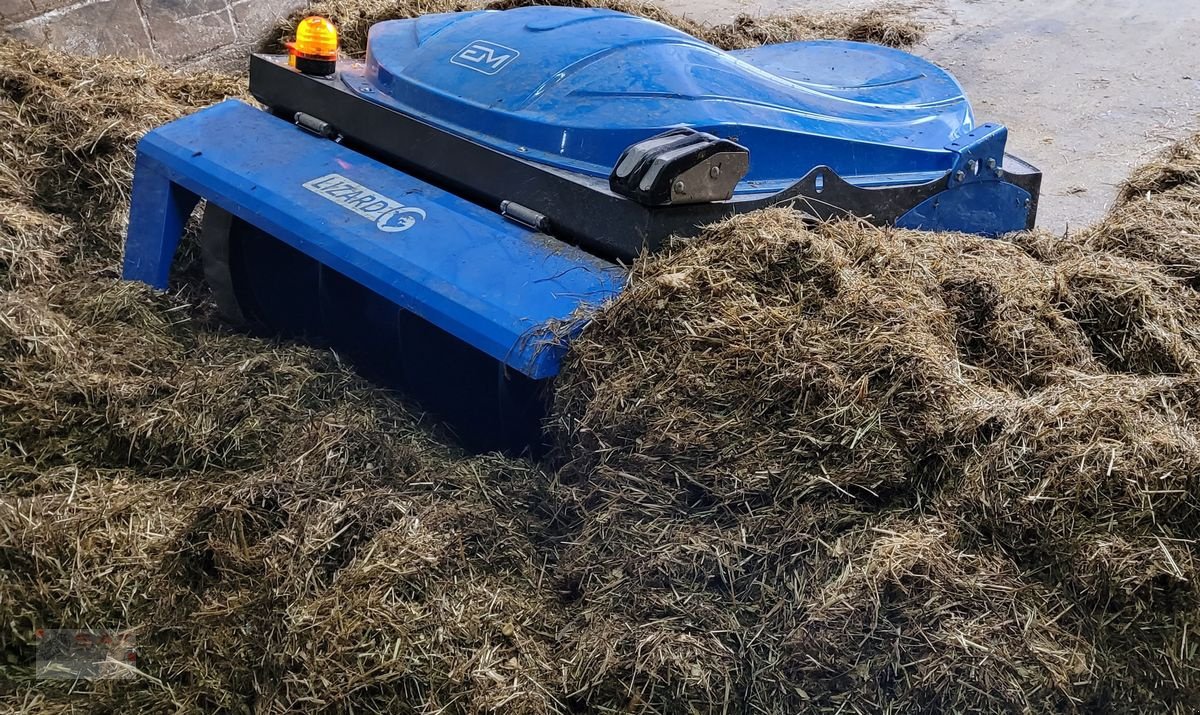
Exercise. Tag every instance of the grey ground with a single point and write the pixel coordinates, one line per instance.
(1088, 88)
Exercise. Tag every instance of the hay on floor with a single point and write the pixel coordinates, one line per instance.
(887, 24)
(797, 468)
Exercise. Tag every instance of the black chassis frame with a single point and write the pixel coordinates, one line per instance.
(579, 209)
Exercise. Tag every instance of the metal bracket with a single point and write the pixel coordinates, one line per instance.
(681, 166)
(980, 155)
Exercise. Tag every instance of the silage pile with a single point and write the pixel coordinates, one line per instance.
(896, 470)
(208, 489)
(885, 24)
(797, 469)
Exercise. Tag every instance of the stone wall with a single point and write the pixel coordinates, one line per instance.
(172, 31)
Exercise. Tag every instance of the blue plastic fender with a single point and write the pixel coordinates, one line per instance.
(491, 283)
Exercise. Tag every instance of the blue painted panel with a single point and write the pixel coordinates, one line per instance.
(573, 87)
(158, 214)
(1000, 206)
(489, 282)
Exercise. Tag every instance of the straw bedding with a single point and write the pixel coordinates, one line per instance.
(796, 468)
(885, 24)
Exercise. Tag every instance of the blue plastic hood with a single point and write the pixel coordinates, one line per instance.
(572, 88)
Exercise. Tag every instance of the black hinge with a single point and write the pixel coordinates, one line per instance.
(317, 126)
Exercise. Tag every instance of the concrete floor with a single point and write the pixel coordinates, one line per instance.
(1088, 88)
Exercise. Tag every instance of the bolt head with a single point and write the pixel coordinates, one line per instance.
(714, 172)
(960, 175)
(680, 187)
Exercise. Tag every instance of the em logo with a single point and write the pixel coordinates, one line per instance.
(486, 57)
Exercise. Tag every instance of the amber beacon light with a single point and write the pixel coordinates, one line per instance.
(315, 50)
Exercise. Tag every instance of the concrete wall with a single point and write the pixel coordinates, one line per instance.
(172, 31)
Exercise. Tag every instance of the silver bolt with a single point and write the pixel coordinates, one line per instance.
(960, 176)
(680, 187)
(991, 163)
(366, 88)
(714, 172)
(973, 166)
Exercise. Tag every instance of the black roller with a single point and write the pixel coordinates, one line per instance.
(263, 284)
(259, 282)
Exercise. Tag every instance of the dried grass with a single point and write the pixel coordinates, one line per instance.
(68, 155)
(887, 24)
(797, 468)
(1157, 213)
(1000, 449)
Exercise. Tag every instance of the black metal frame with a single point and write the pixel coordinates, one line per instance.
(579, 209)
